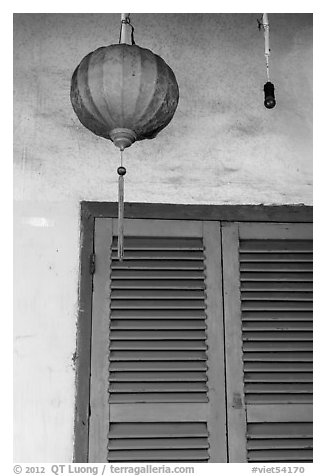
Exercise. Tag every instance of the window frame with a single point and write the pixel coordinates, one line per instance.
(92, 210)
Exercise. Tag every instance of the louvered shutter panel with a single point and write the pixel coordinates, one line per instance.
(269, 291)
(157, 384)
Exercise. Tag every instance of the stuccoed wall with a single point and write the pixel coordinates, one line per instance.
(222, 147)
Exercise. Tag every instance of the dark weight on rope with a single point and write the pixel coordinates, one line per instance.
(269, 95)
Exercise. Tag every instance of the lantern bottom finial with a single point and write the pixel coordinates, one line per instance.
(122, 138)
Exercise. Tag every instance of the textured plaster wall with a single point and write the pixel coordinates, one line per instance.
(222, 147)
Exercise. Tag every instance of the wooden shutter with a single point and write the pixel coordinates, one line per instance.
(267, 272)
(157, 382)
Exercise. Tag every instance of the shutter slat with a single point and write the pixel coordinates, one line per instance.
(278, 388)
(281, 287)
(277, 346)
(286, 443)
(159, 243)
(157, 443)
(187, 461)
(157, 355)
(276, 296)
(160, 455)
(276, 246)
(158, 376)
(277, 377)
(158, 284)
(156, 274)
(279, 430)
(159, 254)
(276, 316)
(278, 277)
(157, 314)
(158, 264)
(277, 366)
(276, 326)
(280, 455)
(278, 356)
(158, 335)
(158, 430)
(156, 324)
(189, 397)
(278, 398)
(157, 366)
(160, 387)
(276, 336)
(275, 257)
(284, 267)
(158, 345)
(159, 294)
(276, 306)
(157, 304)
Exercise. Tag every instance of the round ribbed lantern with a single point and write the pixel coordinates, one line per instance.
(124, 93)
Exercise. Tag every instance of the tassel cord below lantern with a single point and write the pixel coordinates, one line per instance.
(121, 172)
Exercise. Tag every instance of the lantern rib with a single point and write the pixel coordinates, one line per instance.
(148, 83)
(85, 94)
(111, 83)
(156, 100)
(152, 120)
(132, 87)
(93, 79)
(123, 67)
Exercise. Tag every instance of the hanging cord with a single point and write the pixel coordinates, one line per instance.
(263, 23)
(126, 21)
(269, 93)
(121, 172)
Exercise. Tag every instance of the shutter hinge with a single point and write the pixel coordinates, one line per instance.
(92, 263)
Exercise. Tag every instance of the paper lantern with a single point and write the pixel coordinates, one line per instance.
(124, 93)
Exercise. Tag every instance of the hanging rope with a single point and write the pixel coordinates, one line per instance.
(268, 87)
(125, 20)
(267, 49)
(263, 23)
(121, 172)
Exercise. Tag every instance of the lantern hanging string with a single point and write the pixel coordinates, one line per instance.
(121, 172)
(263, 23)
(125, 20)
